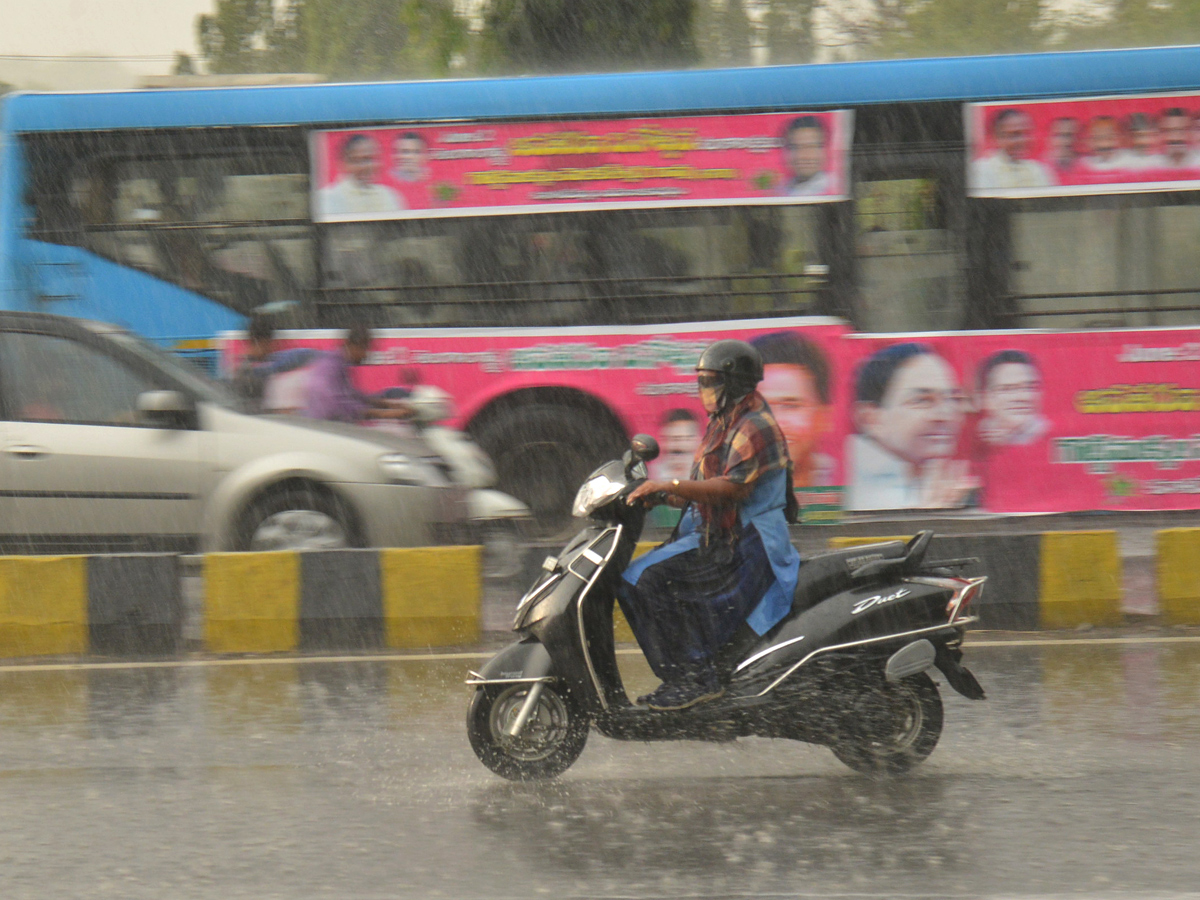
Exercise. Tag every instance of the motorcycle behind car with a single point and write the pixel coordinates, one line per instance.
(500, 522)
(847, 668)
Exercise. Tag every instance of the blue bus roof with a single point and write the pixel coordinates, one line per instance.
(1021, 76)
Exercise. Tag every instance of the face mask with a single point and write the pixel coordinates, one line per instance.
(712, 390)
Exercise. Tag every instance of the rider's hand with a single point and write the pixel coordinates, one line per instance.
(645, 489)
(399, 409)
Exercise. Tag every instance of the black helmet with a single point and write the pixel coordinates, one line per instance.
(738, 362)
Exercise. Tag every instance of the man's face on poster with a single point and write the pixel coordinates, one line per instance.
(410, 158)
(792, 394)
(805, 152)
(1063, 134)
(1175, 137)
(1145, 140)
(678, 441)
(1103, 139)
(921, 411)
(361, 161)
(1012, 396)
(1012, 135)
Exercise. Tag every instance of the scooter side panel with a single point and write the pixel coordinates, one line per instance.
(524, 659)
(860, 613)
(557, 625)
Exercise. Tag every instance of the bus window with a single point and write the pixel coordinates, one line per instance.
(230, 226)
(1132, 263)
(618, 267)
(908, 260)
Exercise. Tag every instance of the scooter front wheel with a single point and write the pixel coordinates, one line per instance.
(550, 741)
(890, 728)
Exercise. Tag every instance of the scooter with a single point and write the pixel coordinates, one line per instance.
(847, 668)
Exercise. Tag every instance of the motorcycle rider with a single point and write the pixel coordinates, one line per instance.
(730, 560)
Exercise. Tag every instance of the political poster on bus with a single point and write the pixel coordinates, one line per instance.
(994, 422)
(1099, 145)
(412, 172)
(1023, 422)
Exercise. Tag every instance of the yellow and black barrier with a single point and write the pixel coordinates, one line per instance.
(401, 598)
(1053, 579)
(253, 602)
(55, 605)
(432, 596)
(1178, 575)
(43, 605)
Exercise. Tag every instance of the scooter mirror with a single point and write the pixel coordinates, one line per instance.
(643, 448)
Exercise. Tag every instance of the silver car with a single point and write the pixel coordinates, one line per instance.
(112, 444)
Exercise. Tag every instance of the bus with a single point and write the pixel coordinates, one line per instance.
(553, 252)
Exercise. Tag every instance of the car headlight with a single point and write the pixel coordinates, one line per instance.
(401, 469)
(596, 491)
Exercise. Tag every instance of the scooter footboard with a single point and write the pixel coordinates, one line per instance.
(524, 661)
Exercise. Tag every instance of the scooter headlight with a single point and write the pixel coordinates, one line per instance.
(596, 491)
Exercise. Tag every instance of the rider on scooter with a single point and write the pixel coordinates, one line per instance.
(730, 560)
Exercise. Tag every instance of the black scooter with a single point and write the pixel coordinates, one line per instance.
(846, 668)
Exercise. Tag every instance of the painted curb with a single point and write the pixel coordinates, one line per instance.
(412, 598)
(1177, 571)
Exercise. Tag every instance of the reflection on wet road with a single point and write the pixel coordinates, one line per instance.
(353, 779)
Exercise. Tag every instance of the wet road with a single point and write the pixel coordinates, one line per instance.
(351, 779)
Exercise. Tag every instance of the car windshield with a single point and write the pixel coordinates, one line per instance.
(201, 385)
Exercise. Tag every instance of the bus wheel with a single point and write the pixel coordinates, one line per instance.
(542, 455)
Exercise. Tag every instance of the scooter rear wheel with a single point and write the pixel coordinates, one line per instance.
(550, 742)
(890, 728)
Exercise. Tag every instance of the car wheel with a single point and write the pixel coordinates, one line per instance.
(296, 518)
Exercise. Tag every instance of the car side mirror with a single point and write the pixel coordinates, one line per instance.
(166, 409)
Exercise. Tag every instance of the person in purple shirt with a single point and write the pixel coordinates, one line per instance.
(331, 391)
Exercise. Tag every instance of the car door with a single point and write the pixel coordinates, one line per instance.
(83, 467)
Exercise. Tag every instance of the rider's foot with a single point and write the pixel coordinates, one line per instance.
(681, 695)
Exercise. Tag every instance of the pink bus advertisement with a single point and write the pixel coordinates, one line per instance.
(417, 172)
(1095, 145)
(546, 404)
(1003, 422)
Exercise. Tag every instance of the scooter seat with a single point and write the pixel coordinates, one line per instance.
(826, 574)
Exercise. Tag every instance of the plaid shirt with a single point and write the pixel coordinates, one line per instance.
(741, 444)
